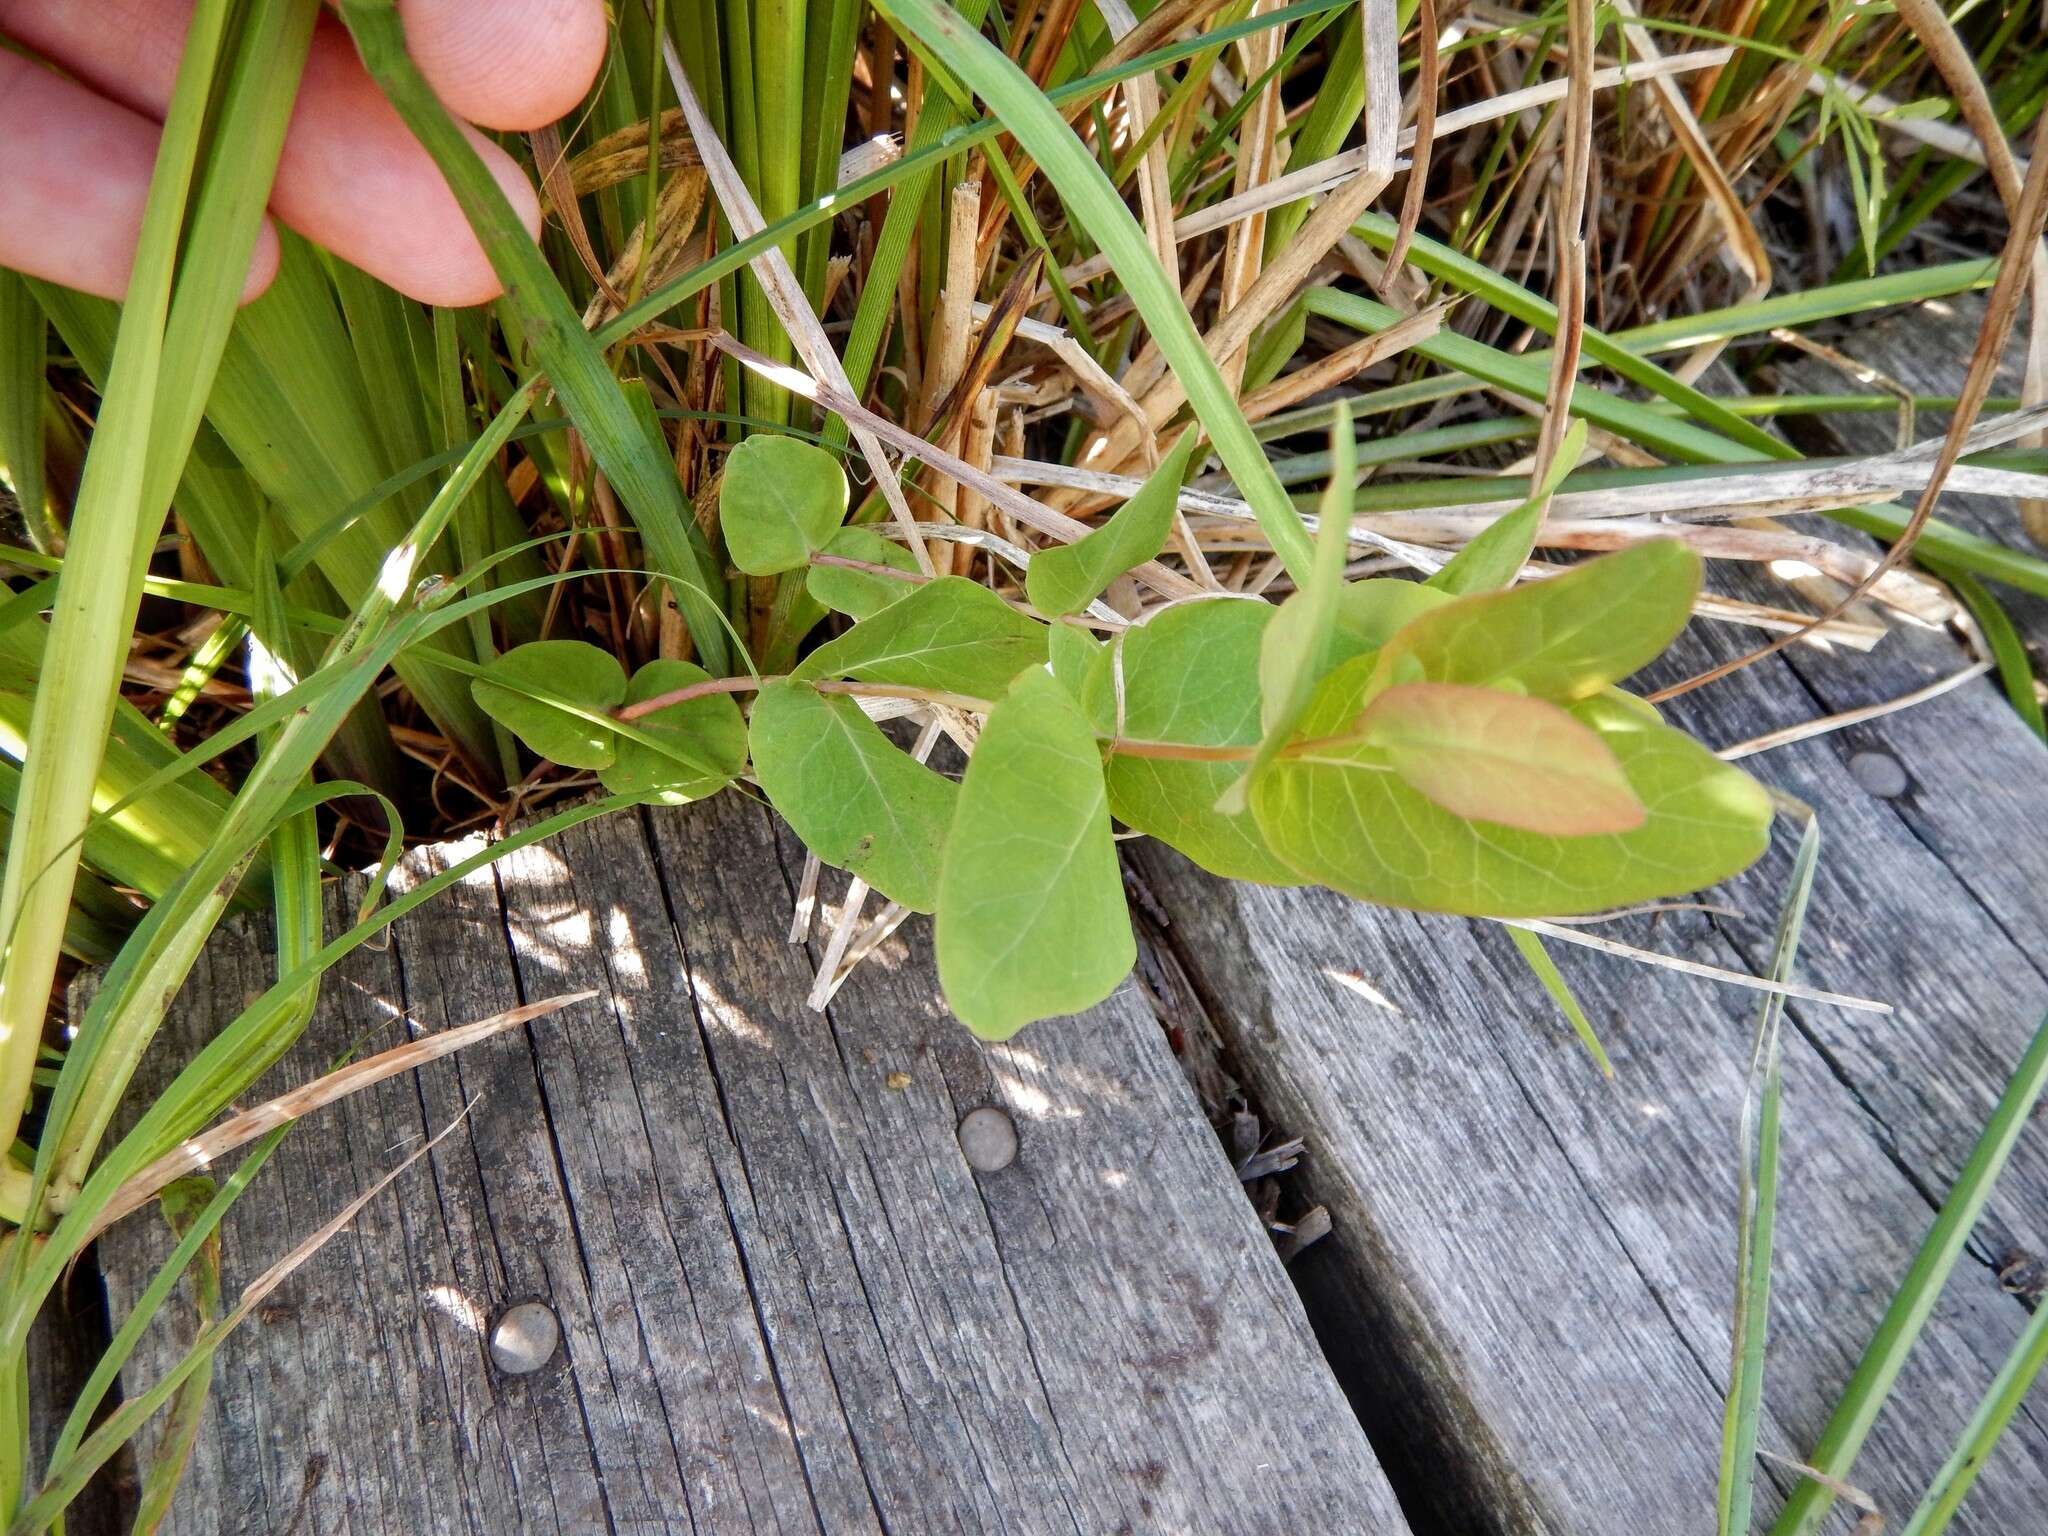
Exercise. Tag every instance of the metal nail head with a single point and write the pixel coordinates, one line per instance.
(1879, 773)
(988, 1139)
(525, 1338)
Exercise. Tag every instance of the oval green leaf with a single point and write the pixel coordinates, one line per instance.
(545, 693)
(702, 743)
(1066, 578)
(950, 634)
(861, 594)
(1563, 639)
(1495, 557)
(857, 801)
(1031, 919)
(780, 499)
(1502, 757)
(1342, 817)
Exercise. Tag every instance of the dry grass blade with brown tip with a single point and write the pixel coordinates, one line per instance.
(1426, 83)
(1571, 239)
(201, 1151)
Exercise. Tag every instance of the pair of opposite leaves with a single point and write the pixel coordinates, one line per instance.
(1467, 756)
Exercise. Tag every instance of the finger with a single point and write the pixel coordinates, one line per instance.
(73, 183)
(508, 64)
(351, 178)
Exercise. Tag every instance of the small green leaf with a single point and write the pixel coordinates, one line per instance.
(951, 634)
(526, 691)
(1073, 653)
(1294, 653)
(1191, 675)
(1031, 919)
(1566, 638)
(705, 740)
(781, 498)
(857, 801)
(861, 594)
(1503, 758)
(1068, 577)
(1495, 558)
(1342, 817)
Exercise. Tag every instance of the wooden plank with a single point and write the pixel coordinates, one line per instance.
(788, 1304)
(1544, 1260)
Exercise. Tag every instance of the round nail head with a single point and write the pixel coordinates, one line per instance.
(988, 1139)
(1879, 773)
(525, 1337)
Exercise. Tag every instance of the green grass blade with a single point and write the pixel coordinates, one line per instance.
(1914, 1301)
(639, 470)
(1987, 1426)
(1544, 969)
(1757, 1201)
(2002, 639)
(1093, 202)
(91, 619)
(24, 335)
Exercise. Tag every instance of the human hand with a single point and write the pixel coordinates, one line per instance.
(76, 153)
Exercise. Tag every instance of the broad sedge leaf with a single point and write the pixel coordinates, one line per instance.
(781, 498)
(517, 688)
(1343, 818)
(705, 740)
(952, 634)
(1562, 639)
(1066, 578)
(1031, 919)
(1502, 757)
(1191, 675)
(857, 801)
(861, 594)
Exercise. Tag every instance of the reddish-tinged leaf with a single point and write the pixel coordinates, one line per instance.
(1502, 757)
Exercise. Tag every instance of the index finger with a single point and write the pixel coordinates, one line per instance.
(507, 64)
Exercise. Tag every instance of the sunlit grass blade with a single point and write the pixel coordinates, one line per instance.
(94, 607)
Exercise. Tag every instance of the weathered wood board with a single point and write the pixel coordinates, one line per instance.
(788, 1304)
(1535, 1266)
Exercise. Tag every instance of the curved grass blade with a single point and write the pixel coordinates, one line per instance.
(1081, 182)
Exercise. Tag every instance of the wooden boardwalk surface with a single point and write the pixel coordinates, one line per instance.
(790, 1305)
